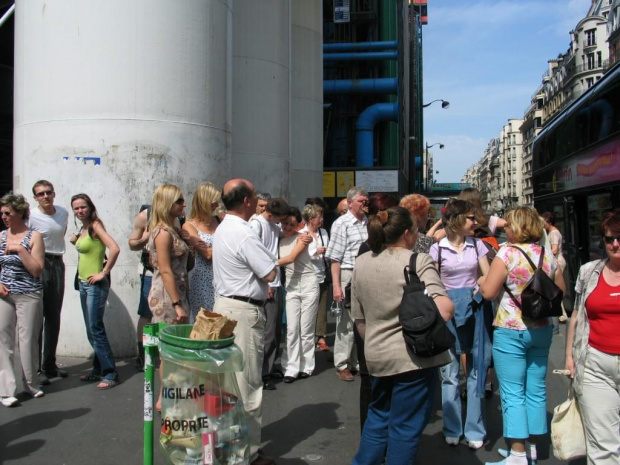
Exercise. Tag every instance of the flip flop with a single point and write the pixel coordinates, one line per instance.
(107, 384)
(90, 378)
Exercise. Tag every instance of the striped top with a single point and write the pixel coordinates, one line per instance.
(13, 273)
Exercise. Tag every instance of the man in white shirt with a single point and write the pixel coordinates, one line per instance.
(347, 234)
(51, 221)
(242, 269)
(266, 225)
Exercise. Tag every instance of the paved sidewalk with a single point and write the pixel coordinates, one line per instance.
(310, 421)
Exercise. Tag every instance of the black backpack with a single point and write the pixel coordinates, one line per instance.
(424, 329)
(541, 297)
(145, 257)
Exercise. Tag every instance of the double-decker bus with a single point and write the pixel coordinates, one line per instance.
(576, 169)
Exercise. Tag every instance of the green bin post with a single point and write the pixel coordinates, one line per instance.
(150, 339)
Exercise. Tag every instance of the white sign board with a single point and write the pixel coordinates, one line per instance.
(377, 181)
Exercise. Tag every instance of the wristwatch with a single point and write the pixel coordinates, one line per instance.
(176, 304)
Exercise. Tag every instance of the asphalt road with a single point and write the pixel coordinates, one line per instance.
(310, 421)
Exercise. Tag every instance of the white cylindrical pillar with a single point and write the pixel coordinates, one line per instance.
(112, 99)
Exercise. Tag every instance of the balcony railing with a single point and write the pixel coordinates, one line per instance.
(574, 70)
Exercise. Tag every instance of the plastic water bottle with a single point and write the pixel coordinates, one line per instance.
(336, 308)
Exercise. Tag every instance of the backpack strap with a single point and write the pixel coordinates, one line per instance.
(534, 269)
(410, 271)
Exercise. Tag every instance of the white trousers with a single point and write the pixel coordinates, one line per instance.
(302, 304)
(345, 355)
(21, 314)
(600, 407)
(249, 337)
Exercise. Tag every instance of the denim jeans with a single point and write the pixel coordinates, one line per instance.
(400, 410)
(93, 298)
(475, 429)
(521, 359)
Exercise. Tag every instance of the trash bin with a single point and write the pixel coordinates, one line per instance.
(202, 418)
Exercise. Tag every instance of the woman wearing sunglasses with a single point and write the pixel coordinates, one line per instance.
(169, 254)
(91, 242)
(21, 306)
(593, 347)
(461, 259)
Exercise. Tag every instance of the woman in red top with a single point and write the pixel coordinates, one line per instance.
(593, 348)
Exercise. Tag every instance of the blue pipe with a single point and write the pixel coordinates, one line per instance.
(352, 56)
(361, 86)
(348, 46)
(364, 129)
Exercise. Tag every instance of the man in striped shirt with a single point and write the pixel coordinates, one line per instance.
(347, 234)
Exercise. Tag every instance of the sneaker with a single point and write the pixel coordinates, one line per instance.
(531, 460)
(452, 441)
(36, 393)
(475, 445)
(9, 401)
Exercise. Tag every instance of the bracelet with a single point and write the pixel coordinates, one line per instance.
(176, 304)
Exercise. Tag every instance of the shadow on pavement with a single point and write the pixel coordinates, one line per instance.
(13, 431)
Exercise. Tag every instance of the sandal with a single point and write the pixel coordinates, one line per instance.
(107, 384)
(90, 378)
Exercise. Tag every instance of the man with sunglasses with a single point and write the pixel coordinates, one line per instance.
(51, 221)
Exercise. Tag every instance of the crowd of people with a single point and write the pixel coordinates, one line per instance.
(260, 261)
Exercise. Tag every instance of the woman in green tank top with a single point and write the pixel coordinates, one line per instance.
(91, 243)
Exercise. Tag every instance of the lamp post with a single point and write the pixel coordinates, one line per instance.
(429, 171)
(444, 103)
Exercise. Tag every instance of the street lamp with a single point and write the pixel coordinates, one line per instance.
(444, 103)
(429, 171)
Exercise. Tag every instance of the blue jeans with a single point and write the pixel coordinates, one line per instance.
(475, 429)
(521, 366)
(93, 299)
(398, 413)
(145, 287)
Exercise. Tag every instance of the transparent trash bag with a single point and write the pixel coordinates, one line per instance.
(203, 421)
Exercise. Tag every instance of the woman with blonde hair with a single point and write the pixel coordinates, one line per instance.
(22, 255)
(200, 226)
(520, 345)
(169, 254)
(91, 242)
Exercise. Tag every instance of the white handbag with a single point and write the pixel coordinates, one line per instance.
(567, 434)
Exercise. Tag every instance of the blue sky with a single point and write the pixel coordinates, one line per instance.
(487, 58)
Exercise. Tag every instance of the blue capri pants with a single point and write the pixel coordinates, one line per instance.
(521, 366)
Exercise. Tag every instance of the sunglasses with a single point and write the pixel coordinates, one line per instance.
(44, 193)
(180, 201)
(611, 239)
(471, 217)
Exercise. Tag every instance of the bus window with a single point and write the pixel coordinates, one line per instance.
(603, 119)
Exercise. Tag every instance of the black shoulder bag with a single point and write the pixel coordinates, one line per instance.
(541, 297)
(424, 329)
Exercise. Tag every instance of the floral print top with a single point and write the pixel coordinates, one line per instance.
(519, 274)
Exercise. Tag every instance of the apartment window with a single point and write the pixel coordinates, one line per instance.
(599, 59)
(590, 82)
(590, 60)
(590, 37)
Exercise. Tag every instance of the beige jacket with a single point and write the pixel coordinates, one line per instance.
(377, 289)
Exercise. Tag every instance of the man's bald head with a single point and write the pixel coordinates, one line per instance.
(343, 207)
(238, 196)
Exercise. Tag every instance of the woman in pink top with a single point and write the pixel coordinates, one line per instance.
(460, 259)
